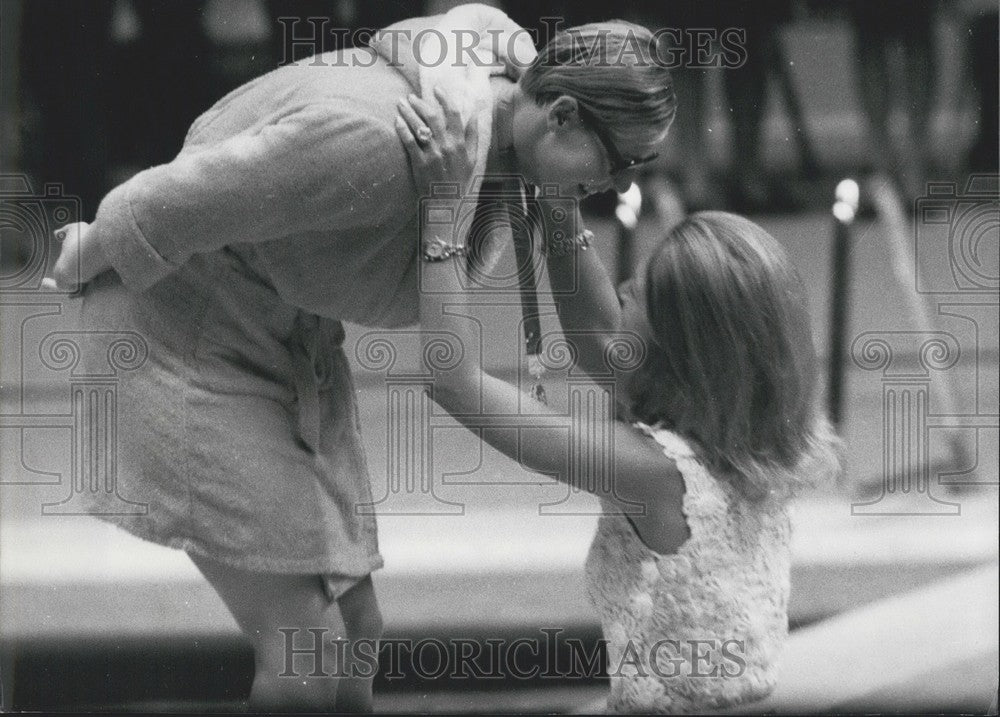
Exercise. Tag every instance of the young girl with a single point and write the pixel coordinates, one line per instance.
(718, 426)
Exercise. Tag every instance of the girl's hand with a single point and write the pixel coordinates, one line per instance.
(441, 149)
(80, 260)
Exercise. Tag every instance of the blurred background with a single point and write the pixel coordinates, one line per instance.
(894, 578)
(96, 89)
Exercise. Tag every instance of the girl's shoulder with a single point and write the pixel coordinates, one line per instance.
(647, 470)
(674, 445)
(704, 492)
(720, 519)
(693, 475)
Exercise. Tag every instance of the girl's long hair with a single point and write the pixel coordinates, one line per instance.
(732, 363)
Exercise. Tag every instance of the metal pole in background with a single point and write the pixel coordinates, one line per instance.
(844, 210)
(666, 201)
(633, 249)
(627, 218)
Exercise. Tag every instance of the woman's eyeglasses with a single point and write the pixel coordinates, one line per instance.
(619, 162)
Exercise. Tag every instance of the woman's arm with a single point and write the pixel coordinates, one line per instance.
(524, 430)
(316, 167)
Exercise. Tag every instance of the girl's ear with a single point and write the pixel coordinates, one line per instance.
(563, 113)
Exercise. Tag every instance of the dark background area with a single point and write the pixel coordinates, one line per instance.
(94, 90)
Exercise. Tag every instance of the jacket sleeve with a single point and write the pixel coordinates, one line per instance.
(316, 167)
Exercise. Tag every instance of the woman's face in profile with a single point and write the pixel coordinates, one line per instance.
(555, 146)
(571, 158)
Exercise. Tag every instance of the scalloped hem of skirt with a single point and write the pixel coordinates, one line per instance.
(338, 577)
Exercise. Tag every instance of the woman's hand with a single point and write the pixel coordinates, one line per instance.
(442, 148)
(80, 260)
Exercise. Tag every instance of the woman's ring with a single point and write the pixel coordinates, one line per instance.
(424, 135)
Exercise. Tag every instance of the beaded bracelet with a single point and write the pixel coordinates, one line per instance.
(438, 249)
(565, 245)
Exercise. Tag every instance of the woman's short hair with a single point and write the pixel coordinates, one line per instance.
(614, 71)
(732, 363)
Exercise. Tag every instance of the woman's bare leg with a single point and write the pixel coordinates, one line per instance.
(277, 612)
(363, 621)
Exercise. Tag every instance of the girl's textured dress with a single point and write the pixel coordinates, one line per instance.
(701, 629)
(289, 209)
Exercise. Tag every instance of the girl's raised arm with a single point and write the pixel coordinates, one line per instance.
(533, 435)
(588, 307)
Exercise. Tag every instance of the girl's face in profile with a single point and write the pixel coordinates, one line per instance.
(635, 317)
(634, 325)
(632, 297)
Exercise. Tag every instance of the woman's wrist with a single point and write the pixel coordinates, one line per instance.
(439, 239)
(560, 245)
(437, 249)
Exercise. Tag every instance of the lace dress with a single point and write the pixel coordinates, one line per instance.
(703, 628)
